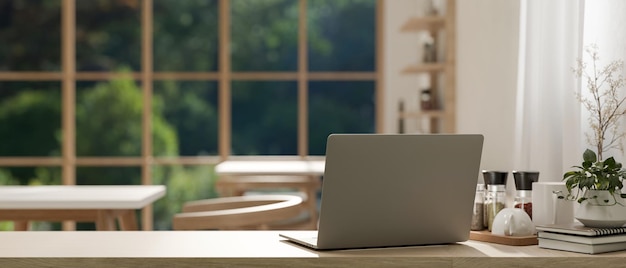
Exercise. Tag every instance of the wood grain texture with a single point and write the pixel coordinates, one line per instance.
(486, 236)
(223, 262)
(434, 262)
(263, 249)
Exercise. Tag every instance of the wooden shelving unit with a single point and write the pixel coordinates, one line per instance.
(441, 72)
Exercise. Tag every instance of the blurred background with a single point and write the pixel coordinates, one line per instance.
(157, 92)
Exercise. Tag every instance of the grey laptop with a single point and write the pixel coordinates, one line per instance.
(383, 190)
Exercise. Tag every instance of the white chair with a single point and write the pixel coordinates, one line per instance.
(237, 212)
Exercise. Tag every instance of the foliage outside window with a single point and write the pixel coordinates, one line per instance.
(185, 88)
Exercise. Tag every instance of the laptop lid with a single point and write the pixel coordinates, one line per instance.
(383, 190)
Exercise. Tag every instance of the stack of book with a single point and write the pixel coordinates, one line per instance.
(577, 238)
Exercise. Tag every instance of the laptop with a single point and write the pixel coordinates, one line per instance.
(385, 190)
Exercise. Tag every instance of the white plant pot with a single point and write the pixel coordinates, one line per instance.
(601, 210)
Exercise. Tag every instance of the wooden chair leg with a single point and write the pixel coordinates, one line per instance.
(69, 226)
(20, 225)
(128, 221)
(105, 221)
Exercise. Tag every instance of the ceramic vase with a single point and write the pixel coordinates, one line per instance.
(602, 209)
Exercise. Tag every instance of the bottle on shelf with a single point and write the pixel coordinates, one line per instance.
(430, 50)
(430, 53)
(401, 119)
(426, 100)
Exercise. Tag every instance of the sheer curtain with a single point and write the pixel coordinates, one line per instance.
(604, 26)
(548, 134)
(550, 125)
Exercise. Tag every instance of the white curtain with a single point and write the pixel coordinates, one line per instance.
(605, 26)
(548, 134)
(550, 125)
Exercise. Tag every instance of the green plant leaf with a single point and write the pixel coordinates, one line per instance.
(569, 174)
(590, 156)
(610, 163)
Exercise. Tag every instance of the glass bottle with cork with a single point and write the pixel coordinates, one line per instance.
(524, 189)
(495, 197)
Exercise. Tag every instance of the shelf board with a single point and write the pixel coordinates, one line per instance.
(424, 23)
(425, 68)
(421, 113)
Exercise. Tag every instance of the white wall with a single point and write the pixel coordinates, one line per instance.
(487, 49)
(487, 42)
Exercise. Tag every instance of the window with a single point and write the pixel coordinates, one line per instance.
(158, 91)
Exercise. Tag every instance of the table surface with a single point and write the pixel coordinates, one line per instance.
(271, 167)
(232, 244)
(79, 196)
(260, 249)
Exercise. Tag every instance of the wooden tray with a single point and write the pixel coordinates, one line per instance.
(486, 236)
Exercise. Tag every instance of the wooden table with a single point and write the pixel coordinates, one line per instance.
(238, 176)
(99, 204)
(262, 249)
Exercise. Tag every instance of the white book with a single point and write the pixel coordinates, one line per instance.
(591, 240)
(579, 229)
(578, 247)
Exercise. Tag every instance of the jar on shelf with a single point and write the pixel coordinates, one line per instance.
(478, 212)
(426, 99)
(495, 196)
(430, 53)
(429, 49)
(524, 189)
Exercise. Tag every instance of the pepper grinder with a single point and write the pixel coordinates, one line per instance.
(524, 189)
(495, 198)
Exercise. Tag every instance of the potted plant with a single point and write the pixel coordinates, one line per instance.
(593, 176)
(598, 187)
(599, 182)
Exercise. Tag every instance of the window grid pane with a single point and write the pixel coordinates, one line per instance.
(342, 35)
(264, 35)
(339, 107)
(108, 118)
(108, 35)
(30, 118)
(184, 118)
(264, 116)
(31, 35)
(185, 35)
